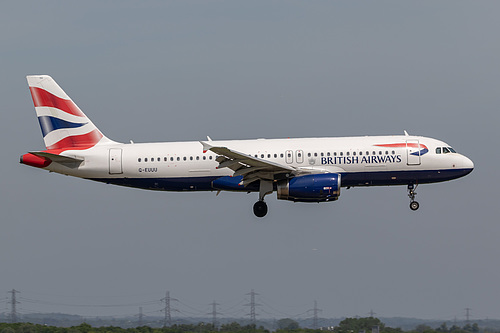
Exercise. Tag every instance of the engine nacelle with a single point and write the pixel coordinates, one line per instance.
(310, 188)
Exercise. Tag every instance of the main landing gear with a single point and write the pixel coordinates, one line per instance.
(411, 194)
(260, 207)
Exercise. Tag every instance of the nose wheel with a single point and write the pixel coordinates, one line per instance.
(414, 205)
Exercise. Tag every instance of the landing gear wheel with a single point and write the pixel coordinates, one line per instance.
(411, 194)
(260, 209)
(414, 205)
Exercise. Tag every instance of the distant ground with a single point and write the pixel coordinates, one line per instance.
(65, 320)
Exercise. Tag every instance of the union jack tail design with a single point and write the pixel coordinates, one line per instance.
(64, 126)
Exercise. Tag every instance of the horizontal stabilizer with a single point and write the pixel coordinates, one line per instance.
(57, 158)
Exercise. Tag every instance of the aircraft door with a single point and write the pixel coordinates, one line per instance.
(289, 156)
(299, 156)
(413, 152)
(115, 161)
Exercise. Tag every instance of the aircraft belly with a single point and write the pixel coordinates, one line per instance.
(381, 178)
(163, 184)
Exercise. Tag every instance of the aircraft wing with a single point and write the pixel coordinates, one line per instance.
(250, 167)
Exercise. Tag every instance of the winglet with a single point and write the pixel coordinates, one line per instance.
(209, 138)
(406, 133)
(206, 146)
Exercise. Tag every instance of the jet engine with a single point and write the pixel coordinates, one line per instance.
(310, 188)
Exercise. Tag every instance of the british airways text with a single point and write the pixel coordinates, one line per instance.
(362, 160)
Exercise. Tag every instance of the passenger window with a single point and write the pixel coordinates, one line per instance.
(275, 155)
(178, 158)
(146, 159)
(347, 153)
(393, 152)
(262, 155)
(360, 153)
(341, 154)
(204, 157)
(335, 154)
(322, 154)
(152, 159)
(139, 159)
(159, 159)
(386, 152)
(328, 153)
(184, 158)
(210, 157)
(308, 154)
(171, 158)
(268, 155)
(197, 158)
(191, 158)
(299, 154)
(165, 159)
(380, 152)
(374, 153)
(281, 155)
(315, 154)
(438, 150)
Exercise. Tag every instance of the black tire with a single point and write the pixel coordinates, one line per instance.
(414, 205)
(260, 209)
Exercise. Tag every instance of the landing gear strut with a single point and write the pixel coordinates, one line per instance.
(260, 207)
(411, 194)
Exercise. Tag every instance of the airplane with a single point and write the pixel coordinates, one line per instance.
(299, 170)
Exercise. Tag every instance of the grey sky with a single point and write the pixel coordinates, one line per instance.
(181, 70)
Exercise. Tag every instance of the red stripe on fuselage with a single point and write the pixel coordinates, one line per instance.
(403, 145)
(42, 97)
(78, 142)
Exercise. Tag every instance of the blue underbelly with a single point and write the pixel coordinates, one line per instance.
(372, 178)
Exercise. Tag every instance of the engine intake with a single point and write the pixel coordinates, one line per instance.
(310, 188)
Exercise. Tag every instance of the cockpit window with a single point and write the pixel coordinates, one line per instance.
(446, 150)
(452, 150)
(438, 150)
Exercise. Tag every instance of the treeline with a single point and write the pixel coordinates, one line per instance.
(348, 325)
(195, 328)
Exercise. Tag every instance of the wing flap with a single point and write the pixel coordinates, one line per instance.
(250, 167)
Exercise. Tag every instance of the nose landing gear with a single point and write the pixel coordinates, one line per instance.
(414, 205)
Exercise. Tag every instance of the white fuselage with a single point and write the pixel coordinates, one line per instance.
(361, 161)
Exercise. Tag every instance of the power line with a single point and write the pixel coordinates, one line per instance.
(141, 316)
(13, 302)
(252, 306)
(167, 322)
(315, 311)
(214, 314)
(467, 315)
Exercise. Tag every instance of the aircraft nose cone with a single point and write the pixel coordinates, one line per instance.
(467, 163)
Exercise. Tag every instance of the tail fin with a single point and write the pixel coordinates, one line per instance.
(64, 126)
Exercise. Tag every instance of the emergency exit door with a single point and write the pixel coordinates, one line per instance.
(413, 152)
(115, 161)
